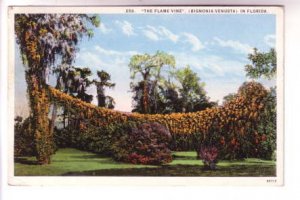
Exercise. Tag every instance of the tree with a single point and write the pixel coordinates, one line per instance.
(228, 98)
(73, 81)
(192, 94)
(267, 125)
(44, 39)
(139, 95)
(149, 67)
(169, 100)
(103, 100)
(81, 82)
(263, 64)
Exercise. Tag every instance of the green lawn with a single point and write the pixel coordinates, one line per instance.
(72, 162)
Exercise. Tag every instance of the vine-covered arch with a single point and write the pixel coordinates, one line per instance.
(230, 120)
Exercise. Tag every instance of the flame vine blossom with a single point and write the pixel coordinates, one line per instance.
(227, 127)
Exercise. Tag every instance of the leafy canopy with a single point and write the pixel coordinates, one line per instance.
(263, 64)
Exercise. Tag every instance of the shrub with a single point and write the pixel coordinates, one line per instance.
(93, 139)
(184, 142)
(209, 157)
(146, 143)
(24, 139)
(267, 128)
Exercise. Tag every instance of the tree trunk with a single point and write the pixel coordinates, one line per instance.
(39, 105)
(155, 96)
(53, 118)
(145, 98)
(100, 95)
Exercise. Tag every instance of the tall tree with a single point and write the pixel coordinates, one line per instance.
(43, 39)
(104, 100)
(81, 82)
(149, 67)
(191, 90)
(263, 64)
(139, 95)
(73, 81)
(169, 101)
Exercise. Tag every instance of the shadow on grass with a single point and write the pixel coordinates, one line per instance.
(176, 157)
(96, 156)
(184, 170)
(25, 161)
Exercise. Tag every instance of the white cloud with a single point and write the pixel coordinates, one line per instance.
(168, 34)
(194, 41)
(109, 52)
(116, 64)
(235, 45)
(103, 28)
(162, 33)
(126, 27)
(216, 90)
(210, 66)
(221, 76)
(270, 40)
(92, 60)
(151, 35)
(159, 33)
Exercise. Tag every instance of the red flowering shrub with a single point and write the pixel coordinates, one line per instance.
(144, 144)
(209, 157)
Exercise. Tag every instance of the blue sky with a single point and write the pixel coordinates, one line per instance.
(214, 46)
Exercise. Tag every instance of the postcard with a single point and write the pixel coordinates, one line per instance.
(146, 95)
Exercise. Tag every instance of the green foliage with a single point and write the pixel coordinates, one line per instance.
(140, 97)
(169, 100)
(228, 98)
(24, 138)
(267, 127)
(74, 81)
(93, 139)
(104, 100)
(263, 64)
(184, 142)
(192, 94)
(154, 94)
(149, 68)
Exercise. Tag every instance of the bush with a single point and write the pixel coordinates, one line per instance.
(209, 157)
(184, 142)
(267, 128)
(143, 144)
(93, 139)
(24, 140)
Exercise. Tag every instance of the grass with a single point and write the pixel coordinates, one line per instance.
(72, 162)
